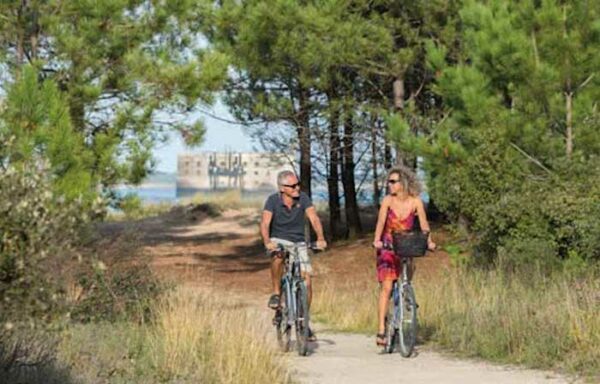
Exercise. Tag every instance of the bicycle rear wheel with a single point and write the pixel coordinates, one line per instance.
(284, 331)
(302, 319)
(408, 320)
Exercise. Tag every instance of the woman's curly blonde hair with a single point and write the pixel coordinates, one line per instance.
(408, 178)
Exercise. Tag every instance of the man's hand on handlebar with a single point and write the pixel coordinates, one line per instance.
(271, 246)
(321, 245)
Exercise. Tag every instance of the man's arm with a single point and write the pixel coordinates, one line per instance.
(265, 224)
(311, 213)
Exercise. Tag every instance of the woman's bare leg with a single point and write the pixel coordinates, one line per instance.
(384, 298)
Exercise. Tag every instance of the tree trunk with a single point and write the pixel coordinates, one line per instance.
(335, 215)
(399, 108)
(35, 30)
(387, 155)
(569, 101)
(20, 37)
(351, 205)
(303, 130)
(374, 163)
(568, 96)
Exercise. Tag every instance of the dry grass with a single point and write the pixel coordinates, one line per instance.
(28, 357)
(348, 305)
(222, 343)
(531, 319)
(230, 199)
(193, 339)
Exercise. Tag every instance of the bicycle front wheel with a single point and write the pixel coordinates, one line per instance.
(408, 320)
(391, 321)
(302, 319)
(282, 326)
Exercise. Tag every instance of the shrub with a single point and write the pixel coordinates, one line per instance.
(39, 233)
(116, 292)
(131, 205)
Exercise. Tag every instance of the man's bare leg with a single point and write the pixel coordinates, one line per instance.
(276, 272)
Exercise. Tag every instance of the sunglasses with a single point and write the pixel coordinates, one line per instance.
(391, 181)
(292, 185)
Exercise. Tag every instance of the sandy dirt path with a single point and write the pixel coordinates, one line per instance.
(353, 359)
(226, 253)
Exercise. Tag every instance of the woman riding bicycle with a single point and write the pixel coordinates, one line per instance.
(397, 214)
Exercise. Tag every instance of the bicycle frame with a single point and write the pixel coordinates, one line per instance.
(396, 291)
(294, 312)
(289, 282)
(401, 292)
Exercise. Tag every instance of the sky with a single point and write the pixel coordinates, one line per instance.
(220, 136)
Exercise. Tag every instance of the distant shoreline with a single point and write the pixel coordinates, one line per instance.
(150, 185)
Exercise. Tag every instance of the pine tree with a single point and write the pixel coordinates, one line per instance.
(516, 102)
(37, 126)
(131, 71)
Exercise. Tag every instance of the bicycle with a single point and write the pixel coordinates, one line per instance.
(293, 310)
(401, 319)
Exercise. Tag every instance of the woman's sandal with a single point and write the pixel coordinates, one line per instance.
(380, 339)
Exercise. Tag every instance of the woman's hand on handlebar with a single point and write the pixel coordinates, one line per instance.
(431, 246)
(378, 244)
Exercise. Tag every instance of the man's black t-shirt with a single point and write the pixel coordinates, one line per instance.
(288, 224)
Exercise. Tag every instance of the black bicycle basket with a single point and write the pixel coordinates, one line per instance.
(410, 244)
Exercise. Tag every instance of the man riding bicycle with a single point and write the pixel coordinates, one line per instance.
(282, 223)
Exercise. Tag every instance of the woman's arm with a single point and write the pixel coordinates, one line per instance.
(422, 215)
(381, 217)
(424, 223)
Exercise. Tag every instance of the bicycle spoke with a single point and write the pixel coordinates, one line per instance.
(408, 331)
(302, 320)
(282, 327)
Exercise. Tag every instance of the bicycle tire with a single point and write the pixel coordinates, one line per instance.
(391, 319)
(302, 319)
(408, 320)
(284, 331)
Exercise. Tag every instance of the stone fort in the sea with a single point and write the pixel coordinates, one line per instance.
(220, 171)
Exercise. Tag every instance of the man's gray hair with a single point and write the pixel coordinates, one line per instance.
(281, 176)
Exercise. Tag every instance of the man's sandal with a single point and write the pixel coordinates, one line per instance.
(274, 302)
(380, 339)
